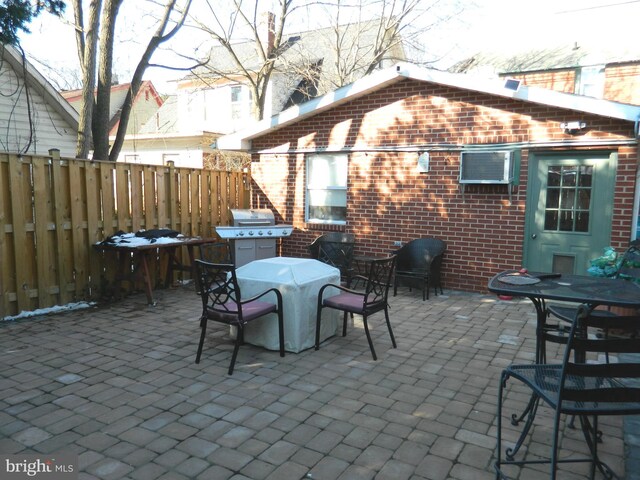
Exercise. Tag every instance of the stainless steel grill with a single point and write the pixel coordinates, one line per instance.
(253, 234)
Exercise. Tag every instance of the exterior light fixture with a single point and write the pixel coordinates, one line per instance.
(573, 127)
(423, 162)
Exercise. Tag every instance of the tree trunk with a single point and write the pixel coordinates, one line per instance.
(158, 38)
(101, 117)
(87, 43)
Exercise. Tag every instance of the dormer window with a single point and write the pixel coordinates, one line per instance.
(590, 81)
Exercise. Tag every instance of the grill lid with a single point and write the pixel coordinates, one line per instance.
(251, 217)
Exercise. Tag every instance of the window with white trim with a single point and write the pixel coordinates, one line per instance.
(240, 102)
(590, 81)
(326, 200)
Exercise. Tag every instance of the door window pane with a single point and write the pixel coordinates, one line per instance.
(582, 222)
(553, 177)
(569, 176)
(551, 220)
(566, 221)
(584, 198)
(553, 198)
(568, 195)
(586, 174)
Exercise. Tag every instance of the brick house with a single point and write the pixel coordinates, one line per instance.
(594, 71)
(507, 175)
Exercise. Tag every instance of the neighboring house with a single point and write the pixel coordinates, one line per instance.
(155, 135)
(310, 64)
(163, 138)
(205, 106)
(506, 177)
(34, 117)
(573, 69)
(145, 104)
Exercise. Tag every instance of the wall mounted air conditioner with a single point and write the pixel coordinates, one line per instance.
(486, 167)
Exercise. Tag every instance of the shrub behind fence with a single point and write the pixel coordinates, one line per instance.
(53, 210)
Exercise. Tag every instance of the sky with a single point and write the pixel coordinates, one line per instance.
(498, 26)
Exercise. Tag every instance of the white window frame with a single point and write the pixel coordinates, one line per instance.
(318, 184)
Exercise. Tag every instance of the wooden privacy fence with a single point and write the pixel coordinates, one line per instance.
(53, 210)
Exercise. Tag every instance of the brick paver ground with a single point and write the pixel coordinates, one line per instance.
(117, 385)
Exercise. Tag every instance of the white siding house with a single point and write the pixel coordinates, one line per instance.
(34, 117)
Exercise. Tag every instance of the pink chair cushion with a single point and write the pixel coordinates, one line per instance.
(346, 301)
(250, 311)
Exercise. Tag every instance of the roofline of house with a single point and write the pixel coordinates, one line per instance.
(570, 101)
(569, 67)
(159, 136)
(35, 78)
(242, 140)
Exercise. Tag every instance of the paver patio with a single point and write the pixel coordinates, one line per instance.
(117, 385)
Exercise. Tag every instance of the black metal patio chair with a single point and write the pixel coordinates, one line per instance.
(221, 302)
(218, 252)
(419, 265)
(314, 247)
(340, 256)
(581, 385)
(373, 299)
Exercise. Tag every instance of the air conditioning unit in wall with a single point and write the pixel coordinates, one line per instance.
(486, 167)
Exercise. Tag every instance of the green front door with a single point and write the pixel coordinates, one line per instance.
(569, 212)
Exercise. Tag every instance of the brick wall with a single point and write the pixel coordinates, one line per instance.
(559, 80)
(622, 83)
(388, 200)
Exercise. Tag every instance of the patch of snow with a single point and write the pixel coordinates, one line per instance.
(131, 240)
(54, 309)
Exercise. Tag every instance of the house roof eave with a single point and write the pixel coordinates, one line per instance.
(35, 78)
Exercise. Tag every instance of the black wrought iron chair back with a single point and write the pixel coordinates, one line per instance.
(583, 385)
(628, 269)
(419, 265)
(218, 252)
(373, 299)
(339, 255)
(218, 288)
(314, 246)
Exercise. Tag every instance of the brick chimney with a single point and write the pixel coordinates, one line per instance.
(267, 31)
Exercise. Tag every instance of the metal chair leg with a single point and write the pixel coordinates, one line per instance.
(366, 330)
(203, 331)
(344, 324)
(386, 316)
(318, 318)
